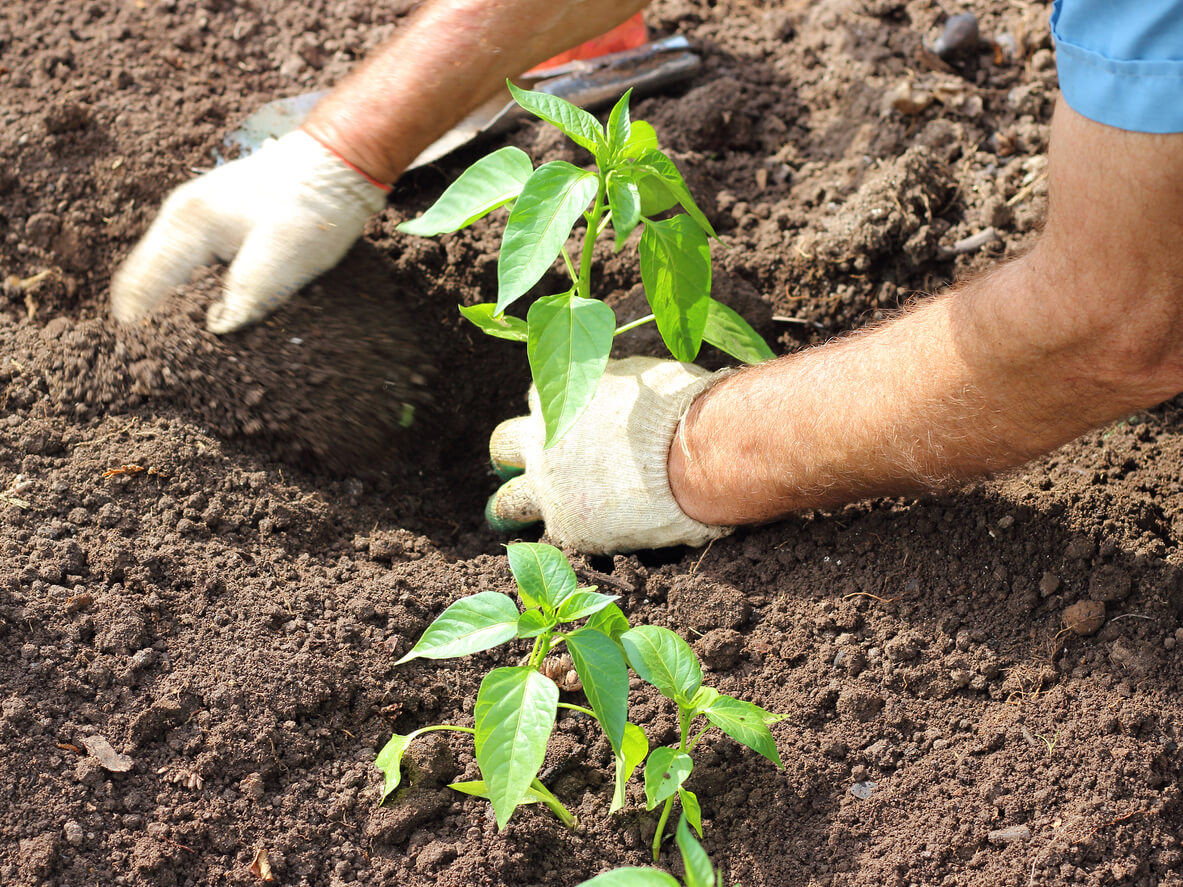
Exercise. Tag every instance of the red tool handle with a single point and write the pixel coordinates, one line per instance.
(629, 35)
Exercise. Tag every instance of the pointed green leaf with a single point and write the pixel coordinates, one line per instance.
(492, 324)
(570, 340)
(676, 271)
(514, 717)
(584, 602)
(642, 137)
(691, 809)
(664, 660)
(474, 623)
(699, 872)
(631, 876)
(730, 333)
(604, 675)
(478, 789)
(656, 197)
(610, 620)
(702, 700)
(389, 761)
(633, 749)
(491, 182)
(745, 723)
(533, 623)
(576, 123)
(625, 202)
(552, 200)
(619, 125)
(543, 575)
(661, 166)
(665, 771)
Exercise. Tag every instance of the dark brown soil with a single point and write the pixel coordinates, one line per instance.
(228, 616)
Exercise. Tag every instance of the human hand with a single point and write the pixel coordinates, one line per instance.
(284, 215)
(604, 486)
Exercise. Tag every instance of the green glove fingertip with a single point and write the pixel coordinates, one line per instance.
(507, 526)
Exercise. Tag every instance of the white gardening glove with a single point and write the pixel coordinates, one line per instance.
(604, 487)
(285, 214)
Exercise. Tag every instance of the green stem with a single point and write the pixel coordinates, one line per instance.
(583, 283)
(556, 806)
(436, 727)
(695, 740)
(570, 267)
(578, 708)
(657, 835)
(633, 324)
(541, 648)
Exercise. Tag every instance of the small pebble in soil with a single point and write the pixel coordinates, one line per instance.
(863, 790)
(1009, 835)
(959, 37)
(73, 832)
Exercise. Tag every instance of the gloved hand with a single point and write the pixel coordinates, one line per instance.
(604, 486)
(285, 214)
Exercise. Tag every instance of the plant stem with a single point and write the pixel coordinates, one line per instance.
(633, 324)
(657, 835)
(436, 727)
(583, 283)
(570, 267)
(578, 708)
(701, 733)
(541, 648)
(556, 806)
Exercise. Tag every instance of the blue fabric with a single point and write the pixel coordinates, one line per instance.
(1121, 63)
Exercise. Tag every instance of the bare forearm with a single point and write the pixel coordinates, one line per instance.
(452, 56)
(1084, 329)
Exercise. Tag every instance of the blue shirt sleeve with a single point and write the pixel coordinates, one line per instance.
(1122, 63)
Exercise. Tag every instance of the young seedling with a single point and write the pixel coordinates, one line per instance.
(569, 335)
(516, 706)
(667, 662)
(699, 872)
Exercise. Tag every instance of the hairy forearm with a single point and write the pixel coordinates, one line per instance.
(452, 56)
(1084, 329)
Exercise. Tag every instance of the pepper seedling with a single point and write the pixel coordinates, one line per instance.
(697, 865)
(516, 706)
(569, 335)
(666, 661)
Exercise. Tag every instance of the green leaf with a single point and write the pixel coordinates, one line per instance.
(514, 717)
(655, 196)
(543, 575)
(576, 123)
(699, 872)
(691, 809)
(676, 271)
(665, 771)
(633, 748)
(584, 602)
(619, 126)
(631, 876)
(660, 165)
(551, 201)
(570, 340)
(624, 199)
(730, 333)
(492, 324)
(478, 789)
(389, 761)
(745, 723)
(642, 137)
(702, 700)
(533, 623)
(610, 620)
(664, 660)
(491, 182)
(474, 623)
(604, 675)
